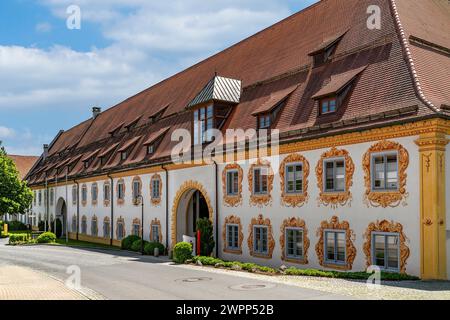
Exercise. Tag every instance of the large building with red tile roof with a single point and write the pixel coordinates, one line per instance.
(358, 95)
(23, 163)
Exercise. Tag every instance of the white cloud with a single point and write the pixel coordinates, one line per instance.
(6, 132)
(43, 27)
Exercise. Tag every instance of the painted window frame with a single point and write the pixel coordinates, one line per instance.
(106, 223)
(84, 194)
(40, 197)
(373, 250)
(135, 225)
(334, 160)
(106, 194)
(121, 190)
(286, 179)
(235, 175)
(385, 154)
(84, 225)
(260, 168)
(94, 192)
(136, 188)
(156, 192)
(325, 244)
(286, 243)
(255, 242)
(74, 195)
(235, 237)
(155, 233)
(94, 223)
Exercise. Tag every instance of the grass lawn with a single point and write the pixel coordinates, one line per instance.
(83, 244)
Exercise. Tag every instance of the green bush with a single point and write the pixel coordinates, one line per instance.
(207, 261)
(19, 238)
(149, 248)
(127, 242)
(387, 276)
(207, 242)
(16, 226)
(136, 246)
(46, 237)
(182, 252)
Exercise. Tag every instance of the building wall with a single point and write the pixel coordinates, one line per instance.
(447, 196)
(356, 212)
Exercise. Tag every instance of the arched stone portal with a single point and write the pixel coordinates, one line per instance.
(182, 209)
(61, 213)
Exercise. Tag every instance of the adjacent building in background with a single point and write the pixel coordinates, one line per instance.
(361, 176)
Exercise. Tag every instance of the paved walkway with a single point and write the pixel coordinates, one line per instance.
(19, 283)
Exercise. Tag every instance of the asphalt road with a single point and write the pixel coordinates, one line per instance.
(121, 275)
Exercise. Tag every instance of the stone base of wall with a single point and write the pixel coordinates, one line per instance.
(91, 239)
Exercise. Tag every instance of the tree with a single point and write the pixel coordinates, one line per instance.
(15, 195)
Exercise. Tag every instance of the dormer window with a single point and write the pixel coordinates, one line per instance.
(150, 149)
(328, 105)
(123, 155)
(102, 161)
(203, 122)
(86, 164)
(264, 121)
(325, 51)
(158, 115)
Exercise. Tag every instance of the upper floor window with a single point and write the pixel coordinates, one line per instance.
(106, 192)
(84, 194)
(150, 149)
(74, 195)
(155, 185)
(34, 197)
(335, 247)
(294, 178)
(232, 182)
(334, 175)
(260, 180)
(40, 197)
(121, 190)
(94, 192)
(264, 121)
(203, 123)
(328, 105)
(386, 250)
(137, 185)
(385, 171)
(52, 196)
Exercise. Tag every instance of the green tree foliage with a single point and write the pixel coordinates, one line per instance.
(15, 195)
(207, 242)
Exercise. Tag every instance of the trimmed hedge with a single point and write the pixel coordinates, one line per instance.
(149, 248)
(18, 238)
(182, 252)
(136, 246)
(46, 237)
(16, 226)
(127, 242)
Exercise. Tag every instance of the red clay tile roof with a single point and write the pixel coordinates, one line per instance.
(23, 163)
(338, 82)
(276, 59)
(154, 136)
(274, 99)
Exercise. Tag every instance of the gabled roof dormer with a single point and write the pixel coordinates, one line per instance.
(219, 89)
(154, 139)
(325, 51)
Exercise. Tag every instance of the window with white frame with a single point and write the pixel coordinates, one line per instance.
(84, 194)
(106, 191)
(155, 233)
(385, 171)
(294, 243)
(120, 190)
(150, 149)
(94, 192)
(203, 122)
(52, 196)
(294, 178)
(232, 236)
(335, 251)
(386, 250)
(334, 175)
(136, 189)
(74, 195)
(260, 240)
(232, 182)
(156, 194)
(260, 178)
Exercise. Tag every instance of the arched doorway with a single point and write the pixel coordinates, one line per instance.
(190, 204)
(61, 214)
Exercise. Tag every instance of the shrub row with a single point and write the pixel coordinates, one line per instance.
(19, 238)
(251, 267)
(133, 243)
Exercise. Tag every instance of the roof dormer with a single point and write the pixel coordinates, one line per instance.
(325, 51)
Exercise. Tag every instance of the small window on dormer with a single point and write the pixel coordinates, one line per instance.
(264, 121)
(150, 149)
(123, 155)
(328, 105)
(86, 164)
(102, 161)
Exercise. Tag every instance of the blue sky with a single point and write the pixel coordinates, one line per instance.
(51, 76)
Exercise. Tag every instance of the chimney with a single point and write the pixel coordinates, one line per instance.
(45, 154)
(96, 111)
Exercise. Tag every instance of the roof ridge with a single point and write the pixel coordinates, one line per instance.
(409, 59)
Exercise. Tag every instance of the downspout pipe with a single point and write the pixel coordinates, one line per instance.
(112, 209)
(167, 208)
(78, 207)
(216, 167)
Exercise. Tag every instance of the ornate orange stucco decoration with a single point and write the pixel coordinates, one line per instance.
(84, 202)
(156, 222)
(386, 198)
(335, 198)
(120, 202)
(136, 221)
(94, 219)
(232, 200)
(294, 200)
(121, 221)
(156, 201)
(136, 201)
(232, 220)
(83, 222)
(264, 199)
(94, 202)
(185, 187)
(108, 221)
(350, 251)
(386, 226)
(294, 223)
(260, 221)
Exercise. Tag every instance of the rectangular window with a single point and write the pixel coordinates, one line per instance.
(260, 177)
(136, 189)
(264, 121)
(123, 155)
(232, 182)
(120, 231)
(120, 191)
(52, 196)
(294, 243)
(385, 171)
(106, 192)
(335, 247)
(84, 194)
(40, 197)
(155, 233)
(74, 195)
(150, 149)
(106, 230)
(385, 251)
(260, 240)
(328, 105)
(203, 122)
(136, 229)
(294, 178)
(155, 189)
(232, 236)
(334, 175)
(94, 192)
(94, 230)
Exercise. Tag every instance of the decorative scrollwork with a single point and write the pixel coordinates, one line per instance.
(232, 200)
(294, 223)
(294, 200)
(350, 251)
(232, 220)
(335, 198)
(260, 221)
(386, 198)
(156, 201)
(156, 222)
(260, 199)
(386, 226)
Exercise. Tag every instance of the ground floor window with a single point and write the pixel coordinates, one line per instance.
(74, 224)
(94, 227)
(136, 227)
(386, 248)
(232, 237)
(120, 229)
(294, 243)
(155, 233)
(84, 225)
(106, 228)
(335, 247)
(260, 234)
